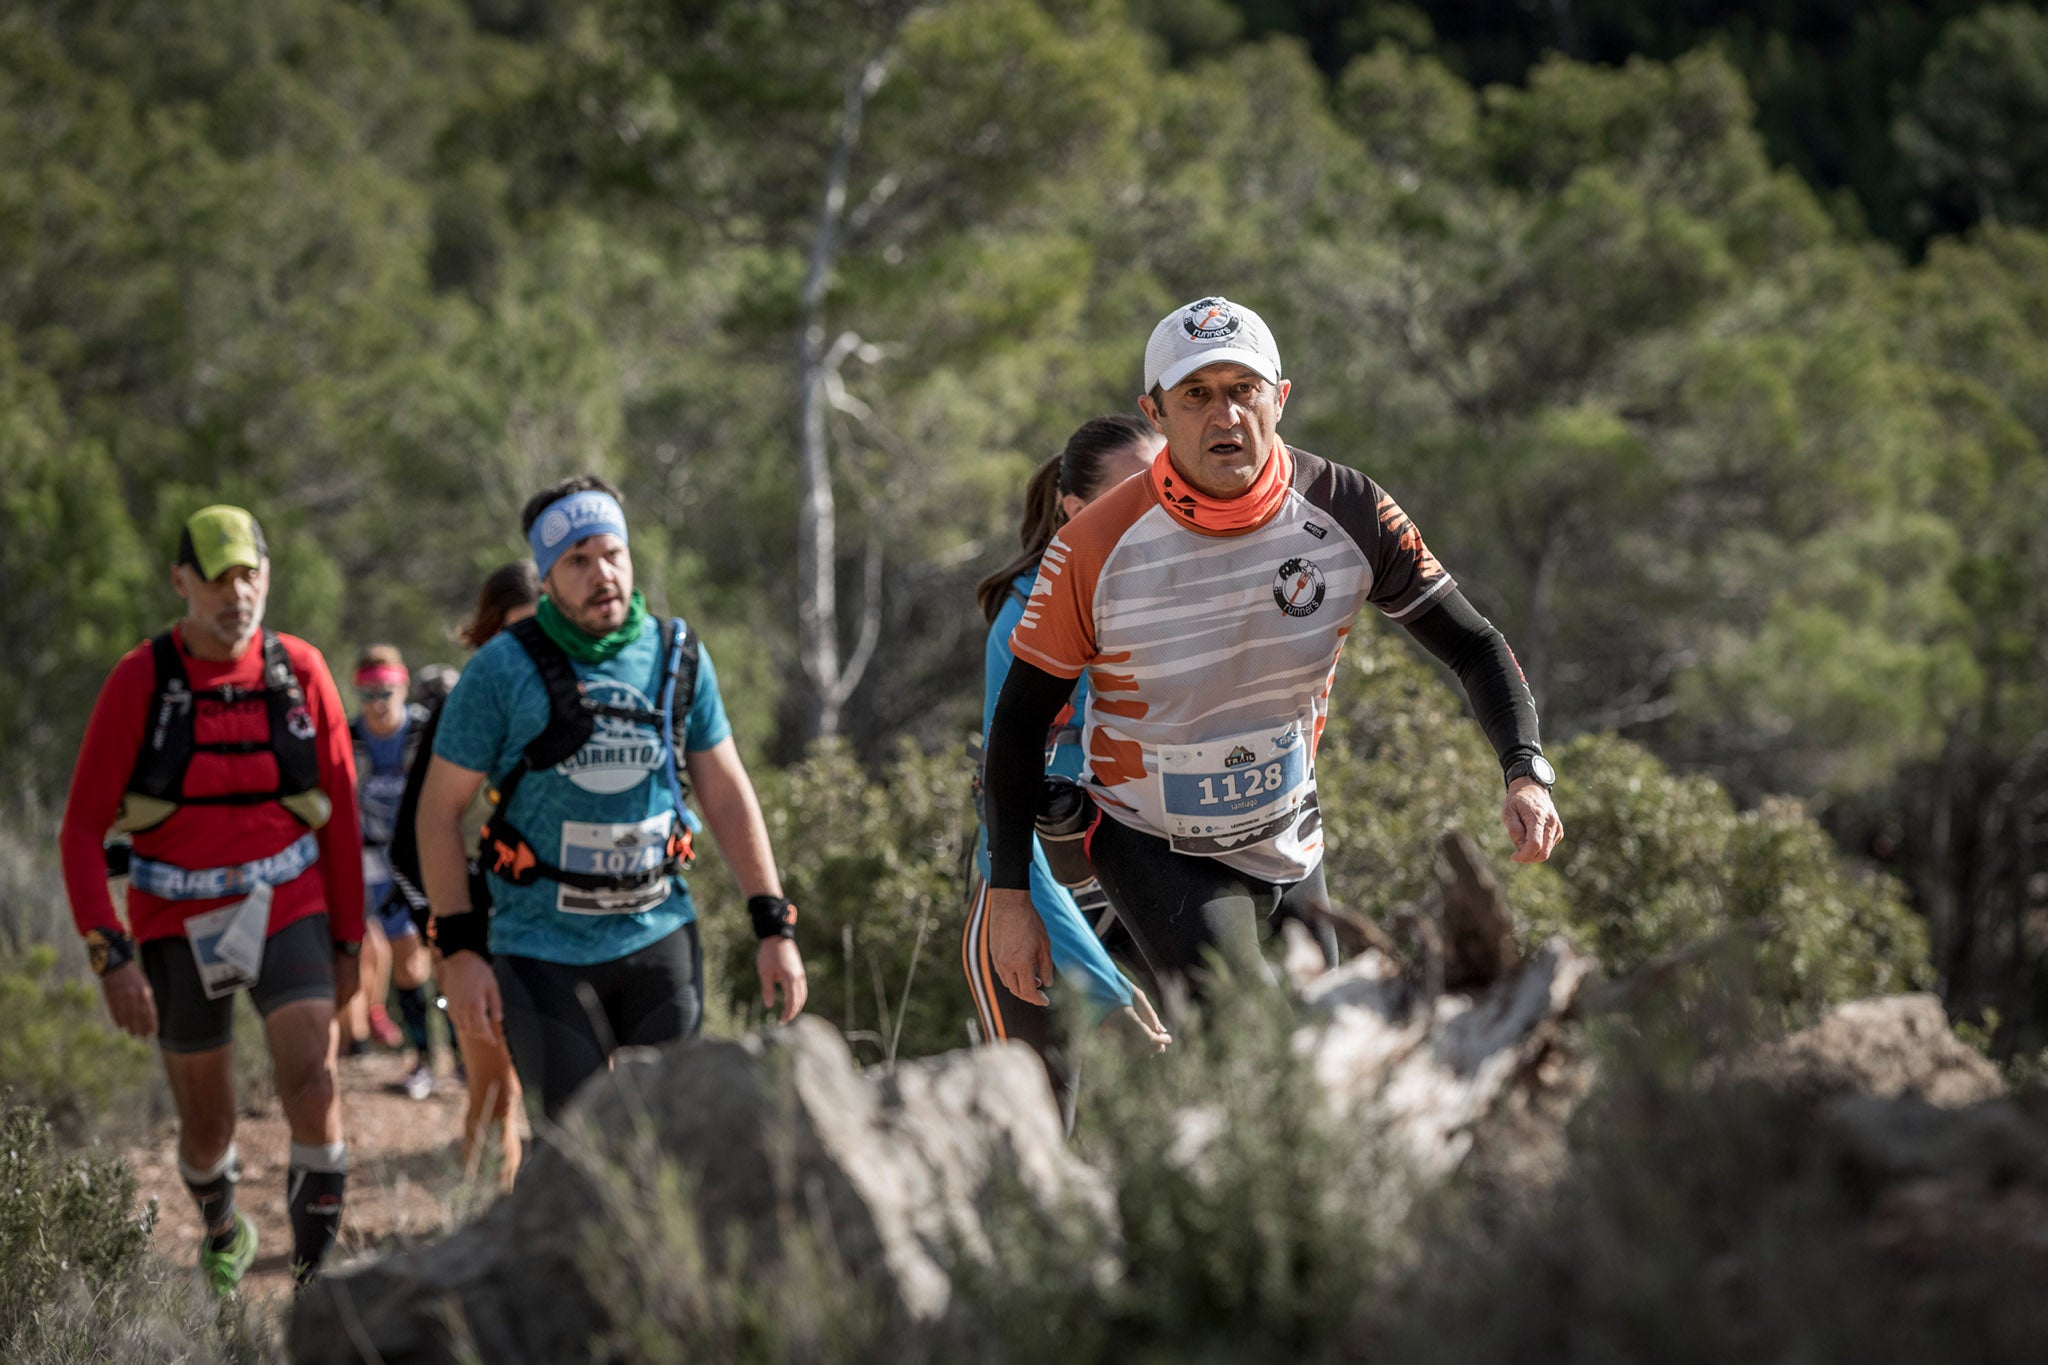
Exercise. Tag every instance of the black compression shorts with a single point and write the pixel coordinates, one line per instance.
(563, 1020)
(298, 964)
(1181, 909)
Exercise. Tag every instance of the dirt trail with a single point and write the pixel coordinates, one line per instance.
(405, 1173)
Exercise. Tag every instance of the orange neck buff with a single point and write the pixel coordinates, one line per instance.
(1247, 511)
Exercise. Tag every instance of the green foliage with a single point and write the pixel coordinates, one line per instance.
(1651, 861)
(877, 862)
(1249, 1224)
(62, 504)
(1737, 483)
(76, 1284)
(59, 1053)
(1657, 862)
(61, 1216)
(1975, 133)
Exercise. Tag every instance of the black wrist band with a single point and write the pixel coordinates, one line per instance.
(107, 949)
(468, 932)
(773, 917)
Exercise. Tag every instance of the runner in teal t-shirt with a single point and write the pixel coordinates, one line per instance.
(590, 834)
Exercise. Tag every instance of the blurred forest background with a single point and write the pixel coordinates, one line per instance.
(1707, 343)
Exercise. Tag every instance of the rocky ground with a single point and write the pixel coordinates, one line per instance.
(405, 1182)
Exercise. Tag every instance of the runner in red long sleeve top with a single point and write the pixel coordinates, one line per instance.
(213, 836)
(223, 747)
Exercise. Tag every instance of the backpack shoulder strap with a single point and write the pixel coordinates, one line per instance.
(277, 668)
(569, 725)
(291, 721)
(686, 676)
(167, 730)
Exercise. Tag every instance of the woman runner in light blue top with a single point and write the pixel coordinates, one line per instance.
(1100, 454)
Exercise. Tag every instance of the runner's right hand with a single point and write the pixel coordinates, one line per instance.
(129, 1000)
(471, 990)
(1017, 945)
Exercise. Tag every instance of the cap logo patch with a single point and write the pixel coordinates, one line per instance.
(1210, 319)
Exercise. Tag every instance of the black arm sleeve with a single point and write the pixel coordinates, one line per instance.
(1455, 632)
(1014, 769)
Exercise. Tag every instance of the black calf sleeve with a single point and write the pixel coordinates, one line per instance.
(314, 1190)
(214, 1191)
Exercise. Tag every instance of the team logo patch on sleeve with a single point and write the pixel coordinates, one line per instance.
(1298, 587)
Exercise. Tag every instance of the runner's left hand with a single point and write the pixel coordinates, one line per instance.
(779, 964)
(1532, 820)
(347, 978)
(1143, 1020)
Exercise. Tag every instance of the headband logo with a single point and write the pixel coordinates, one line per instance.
(554, 527)
(1210, 319)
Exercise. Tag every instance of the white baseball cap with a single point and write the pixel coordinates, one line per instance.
(1209, 331)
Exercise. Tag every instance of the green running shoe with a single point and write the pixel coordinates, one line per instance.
(224, 1269)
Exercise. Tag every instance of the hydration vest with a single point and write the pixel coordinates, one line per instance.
(156, 788)
(572, 719)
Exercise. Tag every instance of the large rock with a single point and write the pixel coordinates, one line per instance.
(775, 1131)
(1887, 1046)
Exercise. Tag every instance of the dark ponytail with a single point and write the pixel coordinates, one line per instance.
(514, 586)
(1076, 470)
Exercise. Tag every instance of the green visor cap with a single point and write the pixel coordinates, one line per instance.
(218, 538)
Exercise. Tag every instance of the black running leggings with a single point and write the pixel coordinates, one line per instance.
(1180, 909)
(563, 1021)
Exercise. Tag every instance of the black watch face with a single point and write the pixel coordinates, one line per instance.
(1540, 769)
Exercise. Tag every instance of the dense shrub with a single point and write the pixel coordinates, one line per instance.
(1250, 1225)
(1651, 861)
(878, 862)
(75, 1280)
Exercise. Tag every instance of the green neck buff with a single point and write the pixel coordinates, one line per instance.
(590, 649)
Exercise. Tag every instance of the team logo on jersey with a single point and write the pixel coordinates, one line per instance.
(1210, 319)
(619, 753)
(1314, 530)
(299, 721)
(1298, 587)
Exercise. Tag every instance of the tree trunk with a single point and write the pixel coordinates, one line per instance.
(832, 677)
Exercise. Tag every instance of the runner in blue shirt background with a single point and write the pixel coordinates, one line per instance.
(386, 732)
(1100, 454)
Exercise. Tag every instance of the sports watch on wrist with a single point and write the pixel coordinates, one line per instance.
(1536, 766)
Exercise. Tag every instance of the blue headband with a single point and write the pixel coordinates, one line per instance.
(578, 516)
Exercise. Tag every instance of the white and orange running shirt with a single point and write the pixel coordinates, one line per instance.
(1210, 633)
